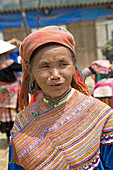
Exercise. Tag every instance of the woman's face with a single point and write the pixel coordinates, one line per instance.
(53, 68)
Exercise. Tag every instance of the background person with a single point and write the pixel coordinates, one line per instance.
(102, 73)
(65, 128)
(14, 55)
(9, 88)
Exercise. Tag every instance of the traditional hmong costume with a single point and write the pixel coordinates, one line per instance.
(103, 88)
(9, 89)
(8, 105)
(72, 132)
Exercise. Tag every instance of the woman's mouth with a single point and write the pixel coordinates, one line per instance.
(56, 86)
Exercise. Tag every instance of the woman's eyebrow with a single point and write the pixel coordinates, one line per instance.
(44, 62)
(62, 60)
(48, 62)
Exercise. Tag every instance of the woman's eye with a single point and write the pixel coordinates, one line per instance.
(63, 64)
(45, 66)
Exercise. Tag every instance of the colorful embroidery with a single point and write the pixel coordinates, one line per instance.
(65, 137)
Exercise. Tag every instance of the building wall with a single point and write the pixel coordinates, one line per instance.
(104, 29)
(15, 32)
(85, 37)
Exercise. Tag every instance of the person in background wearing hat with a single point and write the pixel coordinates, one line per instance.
(9, 88)
(65, 128)
(102, 73)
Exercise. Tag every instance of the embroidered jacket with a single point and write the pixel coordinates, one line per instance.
(72, 132)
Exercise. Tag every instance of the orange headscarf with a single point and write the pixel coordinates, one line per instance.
(36, 39)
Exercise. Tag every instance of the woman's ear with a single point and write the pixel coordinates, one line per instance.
(75, 60)
(30, 73)
(74, 69)
(32, 77)
(29, 69)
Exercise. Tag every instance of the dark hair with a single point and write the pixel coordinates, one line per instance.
(49, 44)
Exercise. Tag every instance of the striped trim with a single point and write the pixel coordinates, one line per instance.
(65, 137)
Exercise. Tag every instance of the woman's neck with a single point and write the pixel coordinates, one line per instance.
(60, 97)
(56, 101)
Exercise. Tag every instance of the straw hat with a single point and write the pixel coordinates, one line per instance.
(5, 47)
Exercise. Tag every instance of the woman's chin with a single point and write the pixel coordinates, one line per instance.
(56, 94)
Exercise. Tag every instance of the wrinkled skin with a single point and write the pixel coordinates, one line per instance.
(52, 67)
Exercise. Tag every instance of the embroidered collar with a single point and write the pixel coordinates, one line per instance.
(55, 102)
(59, 101)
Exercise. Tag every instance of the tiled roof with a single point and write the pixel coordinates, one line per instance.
(73, 2)
(13, 6)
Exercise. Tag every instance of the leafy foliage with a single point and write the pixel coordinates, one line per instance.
(108, 47)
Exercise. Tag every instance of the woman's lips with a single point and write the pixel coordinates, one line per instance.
(56, 86)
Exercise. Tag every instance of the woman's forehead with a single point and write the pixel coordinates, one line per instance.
(54, 49)
(54, 54)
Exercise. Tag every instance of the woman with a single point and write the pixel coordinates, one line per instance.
(9, 88)
(102, 73)
(64, 128)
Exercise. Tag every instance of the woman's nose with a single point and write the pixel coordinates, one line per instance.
(54, 74)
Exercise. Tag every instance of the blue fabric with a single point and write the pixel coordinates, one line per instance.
(106, 156)
(13, 56)
(81, 73)
(13, 166)
(100, 167)
(58, 16)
